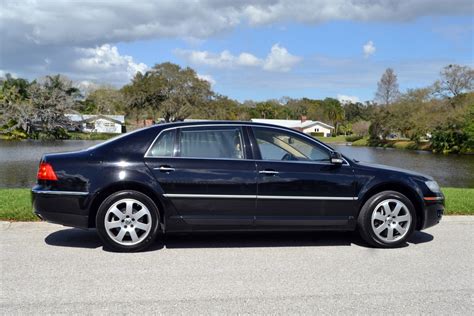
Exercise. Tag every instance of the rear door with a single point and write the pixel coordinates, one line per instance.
(205, 173)
(297, 184)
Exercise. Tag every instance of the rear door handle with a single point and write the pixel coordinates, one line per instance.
(165, 168)
(268, 172)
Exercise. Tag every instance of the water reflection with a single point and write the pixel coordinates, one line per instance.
(19, 161)
(448, 170)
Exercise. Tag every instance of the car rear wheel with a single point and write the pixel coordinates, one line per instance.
(127, 221)
(387, 219)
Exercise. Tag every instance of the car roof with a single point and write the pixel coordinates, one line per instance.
(220, 122)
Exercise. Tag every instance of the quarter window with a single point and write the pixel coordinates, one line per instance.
(218, 142)
(164, 145)
(280, 145)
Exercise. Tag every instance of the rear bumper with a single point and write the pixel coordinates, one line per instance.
(433, 213)
(62, 207)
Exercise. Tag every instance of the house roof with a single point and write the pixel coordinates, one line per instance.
(292, 123)
(119, 119)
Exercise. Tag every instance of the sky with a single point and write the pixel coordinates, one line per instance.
(255, 50)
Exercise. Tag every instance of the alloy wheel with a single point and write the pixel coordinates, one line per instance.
(128, 222)
(391, 220)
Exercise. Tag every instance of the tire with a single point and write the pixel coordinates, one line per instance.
(387, 220)
(127, 221)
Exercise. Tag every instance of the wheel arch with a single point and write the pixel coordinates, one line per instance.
(120, 186)
(402, 188)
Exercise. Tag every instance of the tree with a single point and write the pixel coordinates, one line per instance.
(455, 80)
(169, 90)
(42, 107)
(106, 100)
(387, 88)
(266, 110)
(334, 112)
(51, 99)
(361, 128)
(182, 90)
(144, 94)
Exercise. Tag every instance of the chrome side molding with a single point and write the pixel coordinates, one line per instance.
(59, 192)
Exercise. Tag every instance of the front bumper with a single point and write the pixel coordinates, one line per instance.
(433, 211)
(65, 208)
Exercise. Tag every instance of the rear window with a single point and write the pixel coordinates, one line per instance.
(164, 145)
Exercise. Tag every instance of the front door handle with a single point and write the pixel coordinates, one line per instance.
(165, 168)
(268, 172)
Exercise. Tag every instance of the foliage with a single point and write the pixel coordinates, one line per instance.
(105, 100)
(37, 109)
(361, 128)
(353, 138)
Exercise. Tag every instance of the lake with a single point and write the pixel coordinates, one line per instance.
(19, 161)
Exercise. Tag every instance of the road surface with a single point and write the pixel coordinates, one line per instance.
(48, 268)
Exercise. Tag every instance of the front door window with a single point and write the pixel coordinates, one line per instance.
(281, 145)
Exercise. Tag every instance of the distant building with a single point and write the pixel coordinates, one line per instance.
(304, 125)
(99, 123)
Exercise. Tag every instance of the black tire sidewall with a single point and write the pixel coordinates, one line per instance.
(109, 201)
(365, 217)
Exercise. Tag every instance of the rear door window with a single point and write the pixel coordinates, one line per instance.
(164, 145)
(224, 142)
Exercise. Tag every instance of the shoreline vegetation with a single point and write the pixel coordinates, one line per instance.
(438, 117)
(404, 144)
(15, 204)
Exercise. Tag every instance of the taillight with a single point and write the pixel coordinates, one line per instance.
(46, 172)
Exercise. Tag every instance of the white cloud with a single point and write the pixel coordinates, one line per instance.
(246, 59)
(106, 58)
(368, 49)
(279, 59)
(208, 78)
(347, 98)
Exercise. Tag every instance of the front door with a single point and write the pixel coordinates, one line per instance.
(206, 176)
(298, 186)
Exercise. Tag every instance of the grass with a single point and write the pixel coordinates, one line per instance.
(15, 204)
(336, 139)
(361, 142)
(459, 201)
(91, 136)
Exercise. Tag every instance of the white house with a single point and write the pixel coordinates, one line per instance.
(306, 126)
(99, 123)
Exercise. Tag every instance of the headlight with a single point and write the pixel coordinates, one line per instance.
(433, 186)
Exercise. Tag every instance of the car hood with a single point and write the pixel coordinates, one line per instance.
(393, 169)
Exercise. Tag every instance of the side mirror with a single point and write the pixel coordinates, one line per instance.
(336, 158)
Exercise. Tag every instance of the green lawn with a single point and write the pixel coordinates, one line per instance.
(15, 204)
(336, 139)
(459, 201)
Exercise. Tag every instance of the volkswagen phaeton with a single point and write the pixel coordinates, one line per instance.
(229, 176)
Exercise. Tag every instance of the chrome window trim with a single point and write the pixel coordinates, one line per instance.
(346, 163)
(263, 197)
(59, 192)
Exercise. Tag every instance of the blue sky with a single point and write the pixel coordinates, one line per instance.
(253, 50)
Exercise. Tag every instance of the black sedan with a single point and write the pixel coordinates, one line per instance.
(229, 176)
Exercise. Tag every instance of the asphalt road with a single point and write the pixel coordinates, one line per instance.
(48, 268)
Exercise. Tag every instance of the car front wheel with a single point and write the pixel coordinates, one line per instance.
(127, 221)
(387, 219)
